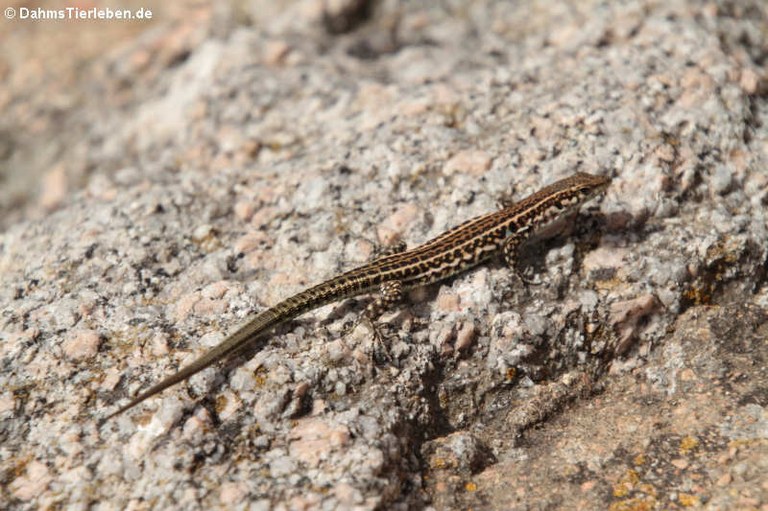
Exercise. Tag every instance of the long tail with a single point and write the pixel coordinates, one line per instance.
(240, 339)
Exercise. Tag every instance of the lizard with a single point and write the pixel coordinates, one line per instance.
(456, 250)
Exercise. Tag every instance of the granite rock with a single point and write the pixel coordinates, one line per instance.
(209, 163)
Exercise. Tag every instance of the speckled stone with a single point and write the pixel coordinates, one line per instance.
(162, 185)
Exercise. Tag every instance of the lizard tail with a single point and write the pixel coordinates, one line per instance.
(241, 338)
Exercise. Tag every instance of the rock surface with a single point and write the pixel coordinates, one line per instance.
(218, 159)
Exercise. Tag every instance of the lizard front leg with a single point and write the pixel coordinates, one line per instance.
(511, 251)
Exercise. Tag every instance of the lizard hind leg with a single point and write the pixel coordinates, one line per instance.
(390, 294)
(380, 251)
